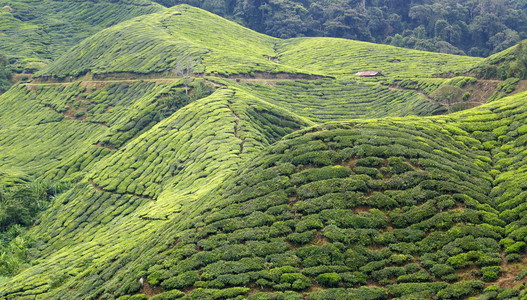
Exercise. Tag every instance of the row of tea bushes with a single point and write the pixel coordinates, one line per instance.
(333, 100)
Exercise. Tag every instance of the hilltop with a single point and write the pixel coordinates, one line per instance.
(183, 37)
(32, 33)
(202, 160)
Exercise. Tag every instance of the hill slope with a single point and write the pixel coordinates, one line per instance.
(158, 42)
(506, 64)
(213, 187)
(42, 30)
(371, 208)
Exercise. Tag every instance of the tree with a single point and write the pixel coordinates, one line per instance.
(185, 68)
(441, 29)
(5, 74)
(503, 40)
(448, 94)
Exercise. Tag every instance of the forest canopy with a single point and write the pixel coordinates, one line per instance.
(471, 27)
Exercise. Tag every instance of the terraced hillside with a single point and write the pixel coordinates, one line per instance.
(43, 30)
(208, 171)
(373, 209)
(185, 37)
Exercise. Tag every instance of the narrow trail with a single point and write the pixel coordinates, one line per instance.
(237, 127)
(93, 79)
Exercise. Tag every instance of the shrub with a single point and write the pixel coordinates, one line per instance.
(354, 278)
(490, 273)
(309, 222)
(372, 172)
(489, 259)
(234, 279)
(317, 174)
(301, 238)
(230, 292)
(298, 281)
(421, 276)
(521, 275)
(463, 260)
(442, 271)
(460, 290)
(508, 294)
(359, 293)
(399, 259)
(515, 248)
(276, 296)
(489, 276)
(371, 161)
(181, 281)
(314, 271)
(173, 294)
(329, 279)
(513, 257)
(403, 289)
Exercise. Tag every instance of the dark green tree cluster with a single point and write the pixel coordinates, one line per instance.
(19, 206)
(5, 74)
(510, 64)
(473, 27)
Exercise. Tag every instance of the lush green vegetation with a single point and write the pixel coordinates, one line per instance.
(169, 41)
(473, 27)
(223, 168)
(5, 74)
(41, 30)
(331, 100)
(19, 206)
(96, 118)
(32, 31)
(339, 57)
(416, 207)
(510, 63)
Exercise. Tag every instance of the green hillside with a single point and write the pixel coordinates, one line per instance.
(510, 63)
(207, 161)
(339, 57)
(188, 37)
(38, 31)
(373, 209)
(159, 42)
(332, 100)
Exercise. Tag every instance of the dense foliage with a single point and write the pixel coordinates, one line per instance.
(34, 32)
(5, 74)
(160, 42)
(19, 206)
(508, 64)
(229, 165)
(473, 27)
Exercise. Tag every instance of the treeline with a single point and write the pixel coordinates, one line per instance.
(510, 65)
(19, 206)
(5, 74)
(472, 27)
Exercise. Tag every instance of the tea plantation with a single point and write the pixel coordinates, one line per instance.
(34, 32)
(196, 159)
